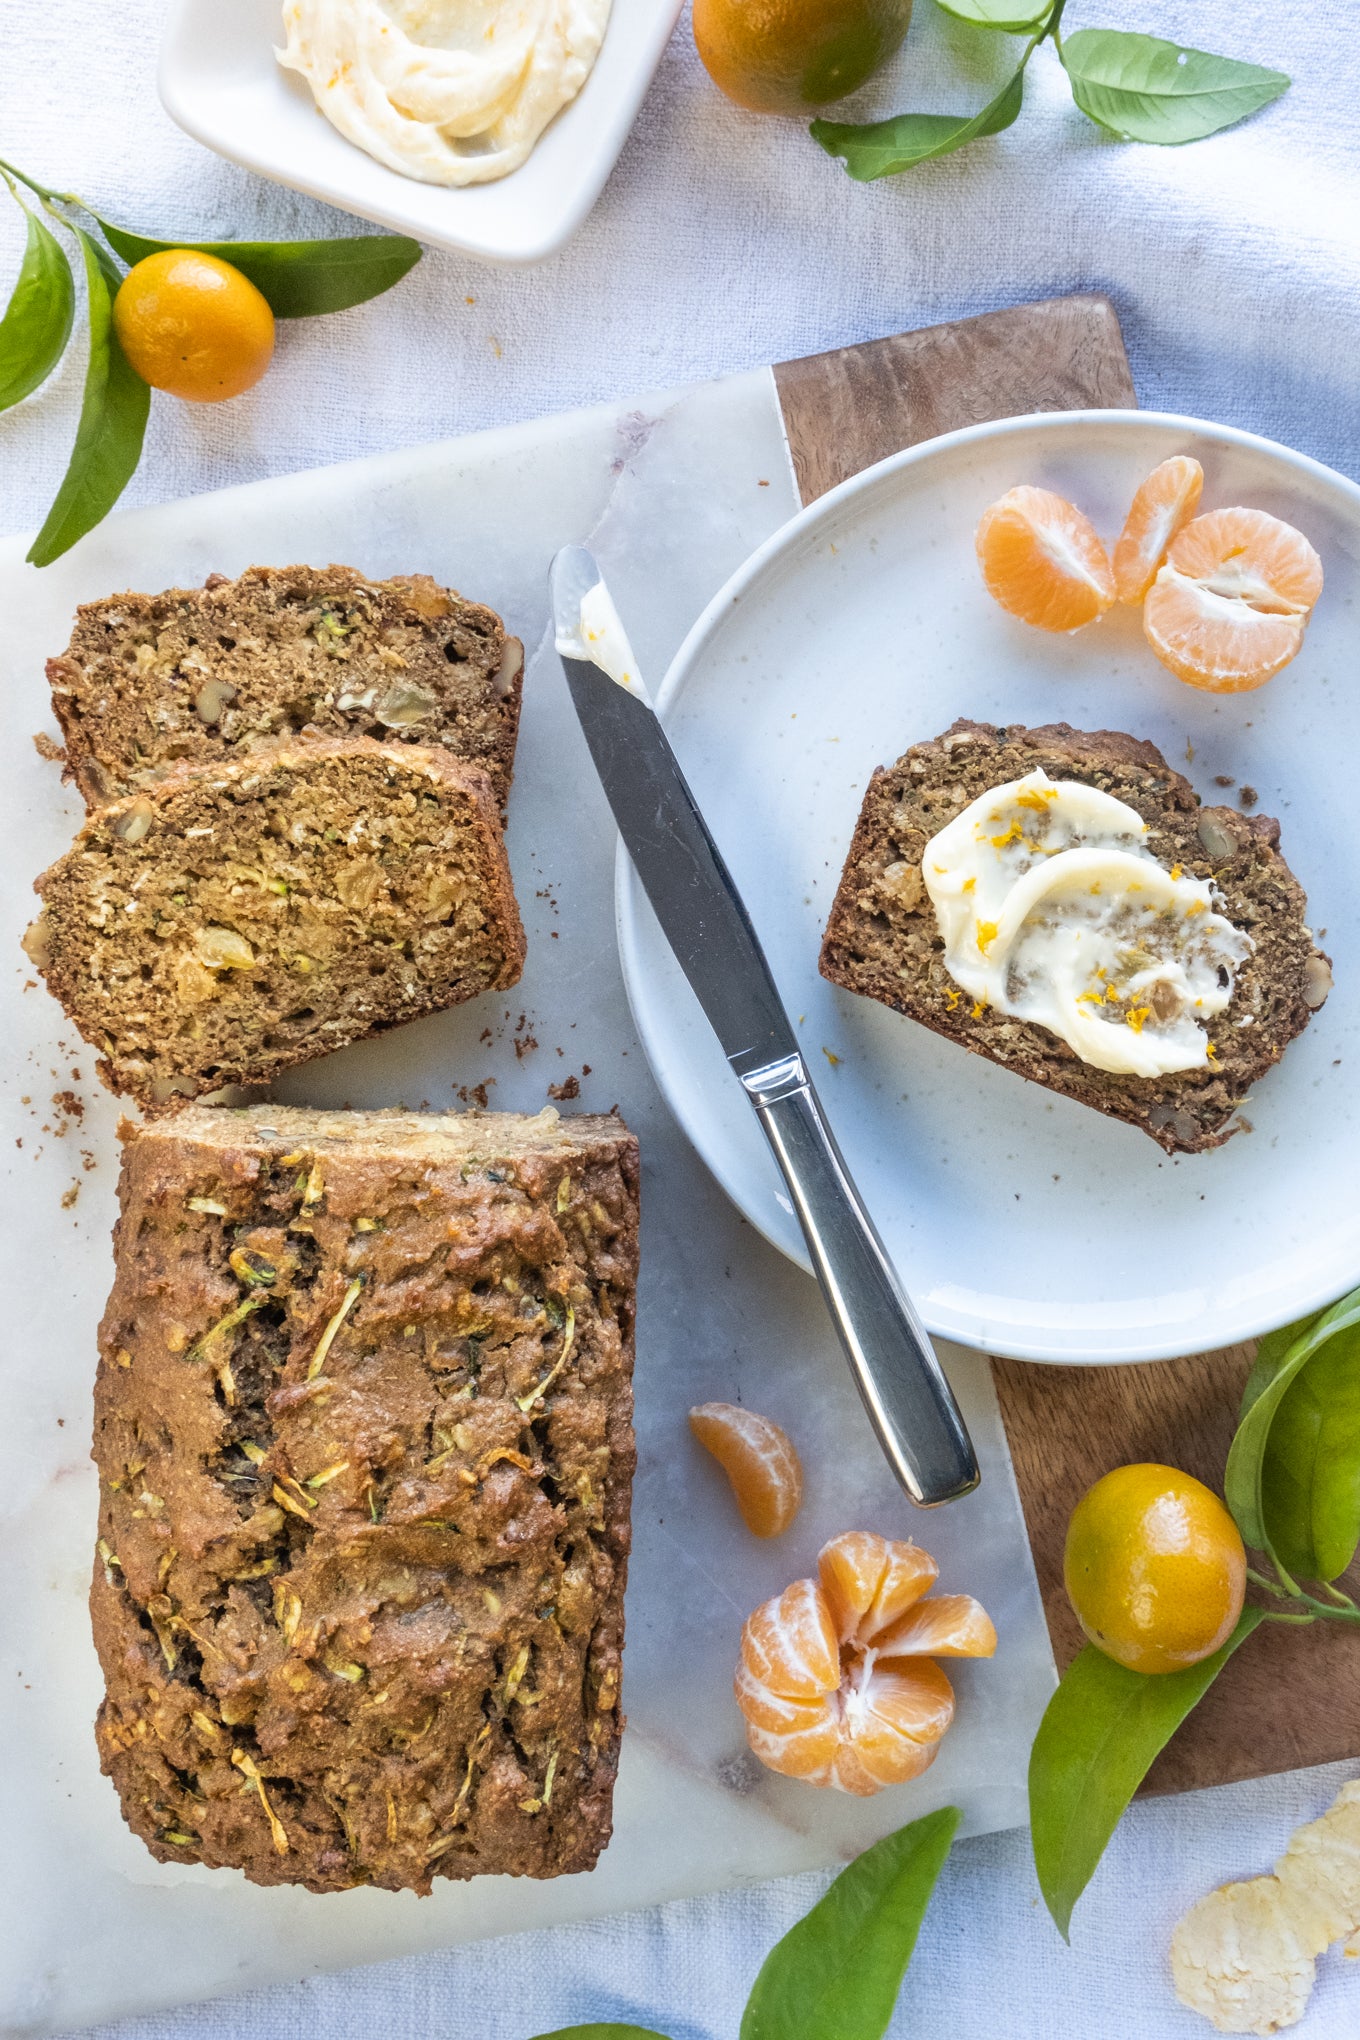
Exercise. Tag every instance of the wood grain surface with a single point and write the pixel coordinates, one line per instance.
(1290, 1697)
(847, 409)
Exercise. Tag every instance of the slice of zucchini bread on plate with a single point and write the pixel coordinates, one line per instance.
(233, 919)
(1002, 874)
(363, 1423)
(151, 681)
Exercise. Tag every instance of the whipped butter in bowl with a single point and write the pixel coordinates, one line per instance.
(449, 92)
(1052, 909)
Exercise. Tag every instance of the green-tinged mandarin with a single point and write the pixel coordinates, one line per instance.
(1154, 1568)
(784, 56)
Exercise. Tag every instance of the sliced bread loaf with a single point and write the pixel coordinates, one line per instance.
(882, 938)
(376, 1368)
(235, 918)
(151, 681)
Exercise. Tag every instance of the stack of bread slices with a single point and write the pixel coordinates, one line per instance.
(296, 785)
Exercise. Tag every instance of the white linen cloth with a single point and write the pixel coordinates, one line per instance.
(723, 241)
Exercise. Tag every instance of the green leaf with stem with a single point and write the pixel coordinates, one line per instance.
(1293, 1474)
(601, 2032)
(883, 148)
(37, 321)
(1096, 1743)
(1146, 90)
(112, 421)
(300, 279)
(837, 1973)
(1009, 17)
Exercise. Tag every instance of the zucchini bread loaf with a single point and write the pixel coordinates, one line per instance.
(363, 1429)
(150, 681)
(884, 937)
(235, 918)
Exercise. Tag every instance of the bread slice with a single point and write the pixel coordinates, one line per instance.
(151, 681)
(882, 938)
(235, 918)
(363, 1423)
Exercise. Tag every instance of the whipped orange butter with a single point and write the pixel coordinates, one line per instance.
(1053, 910)
(446, 91)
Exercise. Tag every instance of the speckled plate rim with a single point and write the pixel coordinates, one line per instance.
(1014, 1333)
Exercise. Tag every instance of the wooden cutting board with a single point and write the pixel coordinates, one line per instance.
(1289, 1699)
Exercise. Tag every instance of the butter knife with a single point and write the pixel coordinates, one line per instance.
(909, 1401)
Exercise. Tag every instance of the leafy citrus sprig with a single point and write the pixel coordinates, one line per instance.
(1140, 87)
(1293, 1486)
(299, 279)
(840, 1968)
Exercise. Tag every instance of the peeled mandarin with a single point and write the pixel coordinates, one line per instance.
(1163, 503)
(1230, 605)
(837, 1681)
(1155, 1568)
(758, 1459)
(1043, 561)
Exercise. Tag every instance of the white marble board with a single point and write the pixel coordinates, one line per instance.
(673, 493)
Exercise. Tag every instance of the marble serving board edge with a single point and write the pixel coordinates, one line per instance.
(673, 492)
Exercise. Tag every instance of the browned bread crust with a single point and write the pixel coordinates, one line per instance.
(234, 919)
(151, 681)
(363, 1424)
(882, 939)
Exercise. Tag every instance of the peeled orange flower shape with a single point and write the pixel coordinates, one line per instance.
(1043, 561)
(759, 1460)
(1162, 504)
(1231, 603)
(837, 1680)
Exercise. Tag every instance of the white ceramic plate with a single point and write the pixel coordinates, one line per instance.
(220, 81)
(1022, 1222)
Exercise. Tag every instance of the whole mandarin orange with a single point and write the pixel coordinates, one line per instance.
(191, 324)
(1154, 1568)
(784, 56)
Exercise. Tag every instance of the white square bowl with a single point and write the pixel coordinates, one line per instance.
(220, 81)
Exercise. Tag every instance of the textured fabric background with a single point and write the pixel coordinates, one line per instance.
(721, 242)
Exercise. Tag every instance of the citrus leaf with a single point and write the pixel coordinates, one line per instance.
(37, 321)
(112, 421)
(836, 1974)
(1096, 1742)
(1293, 1474)
(1011, 17)
(1146, 90)
(882, 148)
(300, 279)
(604, 2032)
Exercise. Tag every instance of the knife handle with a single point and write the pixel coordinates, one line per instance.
(909, 1401)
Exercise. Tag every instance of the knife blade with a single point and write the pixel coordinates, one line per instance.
(908, 1399)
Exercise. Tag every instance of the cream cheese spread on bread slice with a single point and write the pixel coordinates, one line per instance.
(1053, 909)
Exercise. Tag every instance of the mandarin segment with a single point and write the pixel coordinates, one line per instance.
(758, 1459)
(869, 1581)
(789, 1644)
(1043, 561)
(1161, 505)
(1232, 600)
(947, 1625)
(822, 1699)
